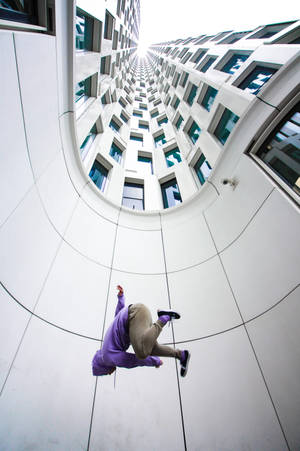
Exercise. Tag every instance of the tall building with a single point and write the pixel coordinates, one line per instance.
(175, 175)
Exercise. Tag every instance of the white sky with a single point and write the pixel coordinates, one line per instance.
(165, 20)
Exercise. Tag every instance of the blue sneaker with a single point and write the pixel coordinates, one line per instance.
(170, 313)
(184, 362)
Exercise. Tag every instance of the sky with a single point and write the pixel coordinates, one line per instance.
(165, 20)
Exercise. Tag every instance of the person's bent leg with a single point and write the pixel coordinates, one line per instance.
(165, 351)
(142, 332)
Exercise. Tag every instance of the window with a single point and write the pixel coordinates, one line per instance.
(175, 102)
(194, 132)
(207, 65)
(138, 138)
(85, 146)
(198, 55)
(114, 126)
(154, 113)
(172, 157)
(179, 122)
(138, 113)
(124, 117)
(133, 196)
(256, 79)
(105, 65)
(83, 32)
(163, 120)
(142, 106)
(192, 95)
(281, 151)
(122, 102)
(115, 153)
(170, 193)
(19, 11)
(159, 140)
(144, 125)
(234, 63)
(99, 175)
(209, 98)
(108, 26)
(183, 79)
(147, 161)
(225, 125)
(202, 168)
(83, 91)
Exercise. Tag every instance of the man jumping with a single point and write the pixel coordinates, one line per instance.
(133, 325)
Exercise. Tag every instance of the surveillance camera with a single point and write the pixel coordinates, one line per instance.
(225, 181)
(231, 182)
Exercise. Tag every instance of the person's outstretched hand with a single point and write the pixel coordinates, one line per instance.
(121, 291)
(159, 364)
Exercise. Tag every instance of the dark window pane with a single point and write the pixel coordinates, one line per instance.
(203, 169)
(209, 98)
(194, 132)
(281, 151)
(99, 174)
(173, 157)
(192, 95)
(170, 193)
(115, 153)
(179, 122)
(207, 65)
(225, 125)
(114, 126)
(234, 63)
(256, 79)
(160, 140)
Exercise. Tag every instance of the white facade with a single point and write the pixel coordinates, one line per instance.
(227, 259)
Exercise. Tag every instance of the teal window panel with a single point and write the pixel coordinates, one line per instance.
(209, 98)
(83, 90)
(154, 114)
(160, 140)
(114, 126)
(192, 95)
(99, 175)
(124, 118)
(176, 103)
(207, 65)
(163, 121)
(179, 122)
(144, 126)
(170, 193)
(225, 125)
(203, 169)
(173, 157)
(83, 32)
(137, 114)
(256, 79)
(85, 146)
(194, 132)
(281, 150)
(234, 63)
(136, 138)
(115, 153)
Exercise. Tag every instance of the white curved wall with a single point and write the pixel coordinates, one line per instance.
(229, 263)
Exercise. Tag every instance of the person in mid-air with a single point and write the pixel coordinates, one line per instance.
(133, 325)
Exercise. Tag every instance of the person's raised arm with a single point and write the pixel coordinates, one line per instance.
(121, 299)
